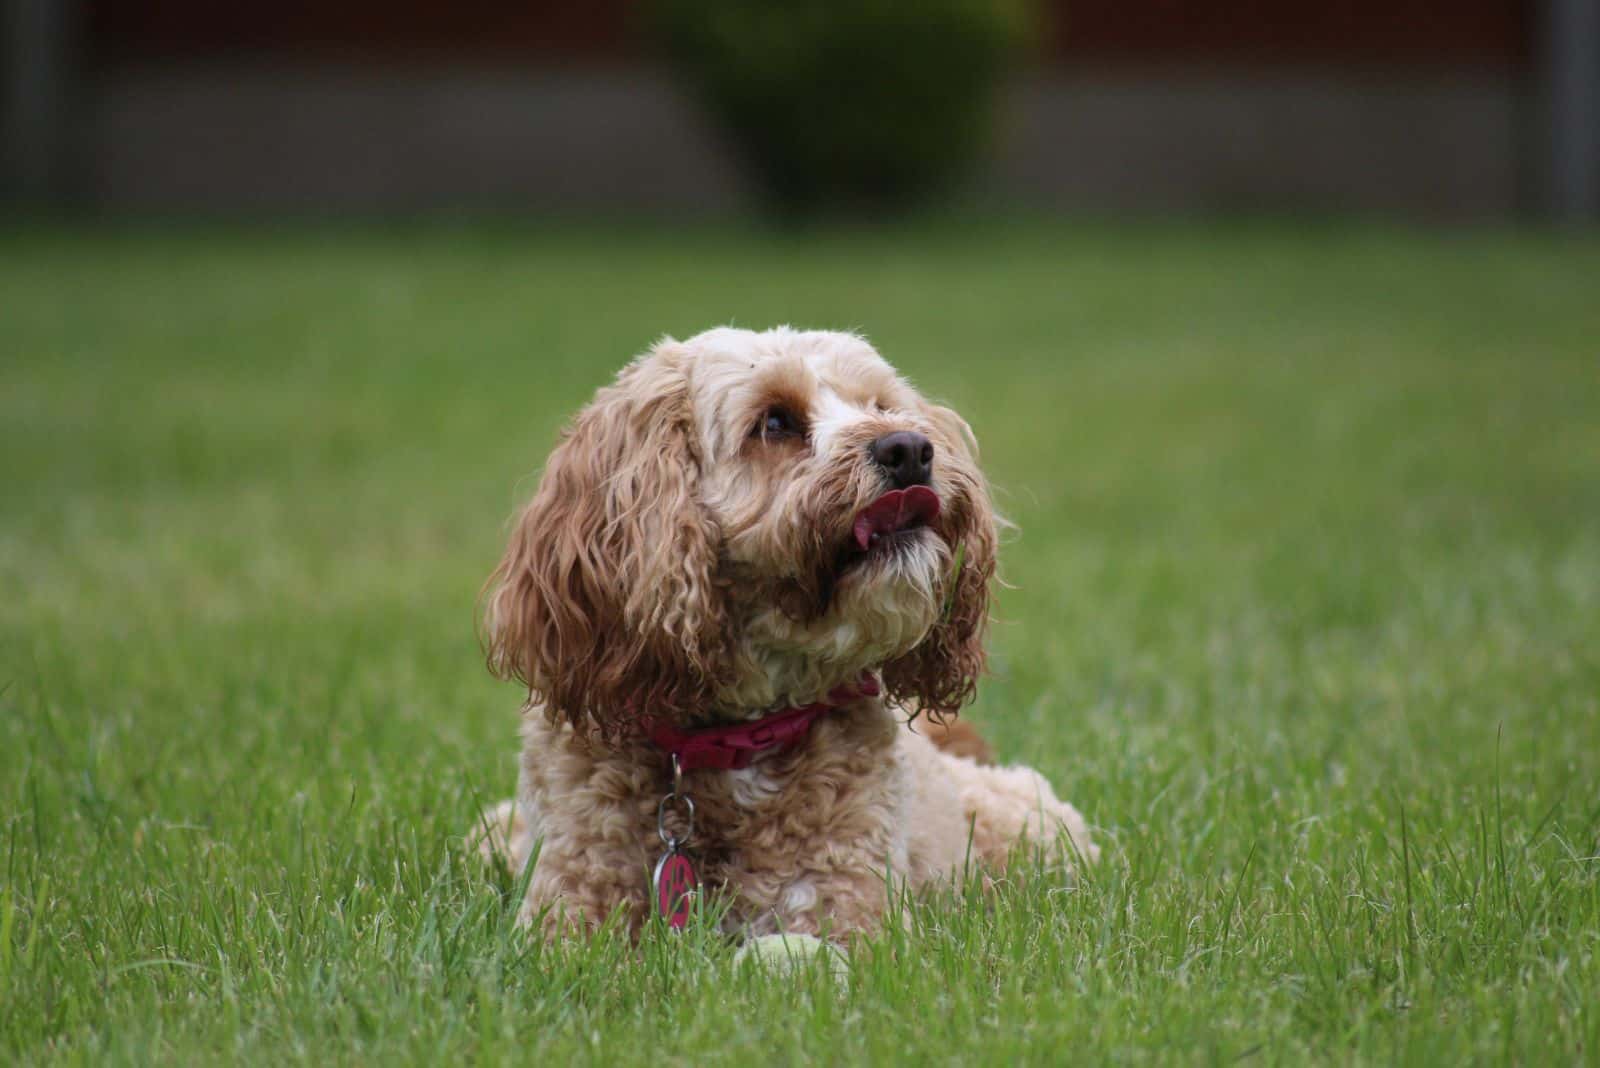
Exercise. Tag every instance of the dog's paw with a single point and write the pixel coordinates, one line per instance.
(1015, 808)
(1055, 825)
(1070, 831)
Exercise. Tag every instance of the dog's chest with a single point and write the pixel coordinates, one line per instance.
(803, 839)
(841, 778)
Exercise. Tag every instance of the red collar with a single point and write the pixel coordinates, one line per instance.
(736, 744)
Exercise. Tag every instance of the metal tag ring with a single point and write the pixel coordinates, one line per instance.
(671, 840)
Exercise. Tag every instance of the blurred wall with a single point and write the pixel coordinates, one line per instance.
(1419, 108)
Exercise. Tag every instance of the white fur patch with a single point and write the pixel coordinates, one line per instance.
(831, 415)
(752, 786)
(799, 896)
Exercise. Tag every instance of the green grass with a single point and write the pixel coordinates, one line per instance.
(1306, 618)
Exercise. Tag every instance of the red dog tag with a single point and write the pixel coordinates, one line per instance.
(675, 884)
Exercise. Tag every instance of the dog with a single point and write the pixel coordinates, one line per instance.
(755, 572)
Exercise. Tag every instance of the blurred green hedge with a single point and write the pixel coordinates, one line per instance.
(848, 104)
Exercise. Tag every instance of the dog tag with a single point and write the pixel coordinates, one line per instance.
(675, 884)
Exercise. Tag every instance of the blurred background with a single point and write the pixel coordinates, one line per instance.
(1413, 109)
(1278, 323)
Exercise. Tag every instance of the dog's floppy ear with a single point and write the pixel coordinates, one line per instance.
(604, 605)
(940, 673)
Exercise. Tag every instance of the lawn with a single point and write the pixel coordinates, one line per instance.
(1305, 617)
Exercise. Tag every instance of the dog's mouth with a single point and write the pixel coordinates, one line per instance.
(891, 518)
(878, 533)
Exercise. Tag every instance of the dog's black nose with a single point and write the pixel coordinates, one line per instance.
(906, 455)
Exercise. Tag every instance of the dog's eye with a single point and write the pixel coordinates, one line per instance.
(777, 423)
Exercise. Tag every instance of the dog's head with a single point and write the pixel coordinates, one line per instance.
(744, 520)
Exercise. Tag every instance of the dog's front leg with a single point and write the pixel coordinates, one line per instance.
(838, 903)
(829, 877)
(575, 893)
(570, 891)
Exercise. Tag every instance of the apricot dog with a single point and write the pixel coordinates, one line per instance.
(765, 559)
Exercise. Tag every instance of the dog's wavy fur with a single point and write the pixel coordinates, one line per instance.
(683, 561)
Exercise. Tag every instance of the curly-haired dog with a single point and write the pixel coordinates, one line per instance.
(759, 555)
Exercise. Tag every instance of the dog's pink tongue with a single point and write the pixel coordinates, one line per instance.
(894, 511)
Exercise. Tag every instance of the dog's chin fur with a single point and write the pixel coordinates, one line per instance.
(689, 556)
(879, 609)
